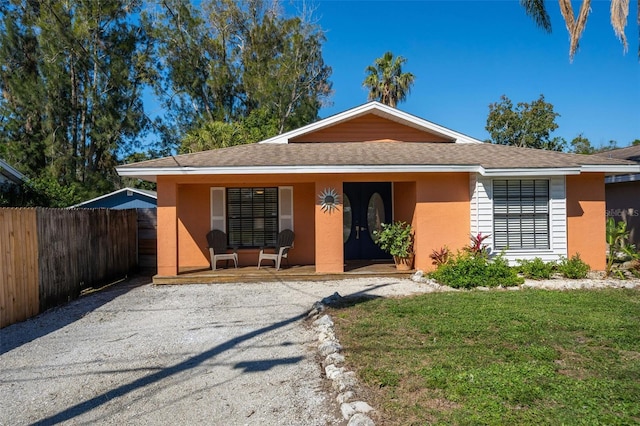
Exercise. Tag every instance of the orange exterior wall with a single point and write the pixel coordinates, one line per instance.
(167, 234)
(194, 221)
(442, 215)
(328, 229)
(404, 201)
(586, 218)
(437, 205)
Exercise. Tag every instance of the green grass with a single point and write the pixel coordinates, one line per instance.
(496, 358)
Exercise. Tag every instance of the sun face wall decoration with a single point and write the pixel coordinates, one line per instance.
(329, 200)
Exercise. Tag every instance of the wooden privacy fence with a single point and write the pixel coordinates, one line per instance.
(48, 256)
(147, 239)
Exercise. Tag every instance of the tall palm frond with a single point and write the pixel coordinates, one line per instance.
(386, 81)
(537, 11)
(619, 15)
(575, 26)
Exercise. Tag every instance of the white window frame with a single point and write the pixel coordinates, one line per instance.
(528, 215)
(481, 212)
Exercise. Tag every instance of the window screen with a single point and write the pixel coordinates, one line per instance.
(252, 216)
(521, 214)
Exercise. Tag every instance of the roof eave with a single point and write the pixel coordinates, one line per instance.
(145, 173)
(151, 173)
(542, 171)
(611, 169)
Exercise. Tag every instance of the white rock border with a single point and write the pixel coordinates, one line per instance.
(343, 381)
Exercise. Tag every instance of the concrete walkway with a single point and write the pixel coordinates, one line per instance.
(135, 353)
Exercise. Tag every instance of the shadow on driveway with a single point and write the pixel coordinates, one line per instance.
(253, 366)
(18, 334)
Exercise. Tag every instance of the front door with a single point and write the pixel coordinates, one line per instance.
(366, 206)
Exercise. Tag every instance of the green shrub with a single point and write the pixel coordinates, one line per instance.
(395, 238)
(536, 269)
(573, 268)
(468, 271)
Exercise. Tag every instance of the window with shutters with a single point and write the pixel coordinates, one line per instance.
(521, 214)
(252, 216)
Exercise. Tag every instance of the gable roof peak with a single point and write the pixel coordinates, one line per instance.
(378, 109)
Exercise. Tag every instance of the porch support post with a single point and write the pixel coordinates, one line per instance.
(442, 216)
(328, 230)
(167, 227)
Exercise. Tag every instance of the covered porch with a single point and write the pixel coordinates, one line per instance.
(244, 274)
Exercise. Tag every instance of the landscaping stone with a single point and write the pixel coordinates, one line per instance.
(344, 397)
(347, 410)
(333, 372)
(334, 358)
(360, 419)
(361, 407)
(345, 381)
(323, 320)
(329, 347)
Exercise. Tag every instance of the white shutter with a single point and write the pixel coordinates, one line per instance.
(218, 209)
(285, 207)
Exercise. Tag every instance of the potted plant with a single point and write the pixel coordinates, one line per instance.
(397, 239)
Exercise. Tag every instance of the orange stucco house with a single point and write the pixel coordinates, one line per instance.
(383, 164)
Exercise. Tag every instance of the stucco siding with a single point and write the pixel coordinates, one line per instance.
(441, 215)
(404, 201)
(586, 218)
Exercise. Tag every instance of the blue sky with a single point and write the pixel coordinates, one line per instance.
(466, 54)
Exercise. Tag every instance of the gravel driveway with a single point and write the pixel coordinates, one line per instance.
(224, 354)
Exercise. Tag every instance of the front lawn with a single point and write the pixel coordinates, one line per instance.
(495, 358)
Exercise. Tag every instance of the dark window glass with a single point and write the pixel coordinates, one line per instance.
(252, 216)
(521, 214)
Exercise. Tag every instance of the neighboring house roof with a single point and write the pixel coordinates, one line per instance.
(443, 150)
(631, 153)
(8, 173)
(125, 198)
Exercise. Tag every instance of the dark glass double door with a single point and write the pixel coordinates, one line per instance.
(366, 206)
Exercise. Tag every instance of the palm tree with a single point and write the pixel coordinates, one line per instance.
(386, 81)
(619, 14)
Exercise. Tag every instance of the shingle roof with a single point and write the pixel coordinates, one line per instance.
(374, 154)
(631, 153)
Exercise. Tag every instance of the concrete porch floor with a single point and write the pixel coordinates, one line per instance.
(267, 273)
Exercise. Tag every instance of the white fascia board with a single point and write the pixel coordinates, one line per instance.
(620, 169)
(252, 170)
(249, 170)
(564, 171)
(380, 110)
